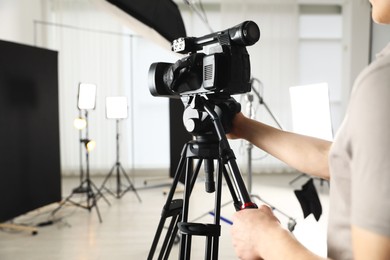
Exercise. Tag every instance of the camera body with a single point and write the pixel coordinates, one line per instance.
(224, 69)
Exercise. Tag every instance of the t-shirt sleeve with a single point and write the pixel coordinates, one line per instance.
(370, 151)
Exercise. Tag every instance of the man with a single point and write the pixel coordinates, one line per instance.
(357, 164)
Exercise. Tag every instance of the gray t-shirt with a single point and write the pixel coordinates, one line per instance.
(360, 161)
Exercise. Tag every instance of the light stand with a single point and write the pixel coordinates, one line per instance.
(80, 123)
(249, 145)
(116, 108)
(86, 101)
(291, 221)
(261, 101)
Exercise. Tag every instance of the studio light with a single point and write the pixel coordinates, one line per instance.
(80, 123)
(86, 96)
(116, 108)
(86, 100)
(90, 145)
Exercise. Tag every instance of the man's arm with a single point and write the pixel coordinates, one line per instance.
(304, 153)
(369, 245)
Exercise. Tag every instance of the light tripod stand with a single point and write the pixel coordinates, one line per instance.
(86, 186)
(86, 100)
(119, 170)
(291, 221)
(208, 147)
(80, 123)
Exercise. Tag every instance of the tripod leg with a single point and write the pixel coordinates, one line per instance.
(169, 240)
(98, 192)
(131, 186)
(212, 241)
(94, 204)
(211, 232)
(174, 208)
(235, 183)
(186, 236)
(185, 242)
(118, 181)
(185, 249)
(91, 196)
(106, 179)
(68, 199)
(61, 204)
(171, 207)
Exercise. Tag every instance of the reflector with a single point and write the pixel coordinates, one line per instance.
(311, 110)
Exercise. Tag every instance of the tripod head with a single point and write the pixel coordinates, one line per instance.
(198, 121)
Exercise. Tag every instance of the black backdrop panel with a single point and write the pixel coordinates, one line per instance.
(30, 172)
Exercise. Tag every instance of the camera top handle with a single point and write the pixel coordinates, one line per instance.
(243, 34)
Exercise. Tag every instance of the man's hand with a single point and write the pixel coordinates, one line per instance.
(253, 232)
(237, 124)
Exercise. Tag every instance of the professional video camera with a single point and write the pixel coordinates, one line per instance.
(225, 69)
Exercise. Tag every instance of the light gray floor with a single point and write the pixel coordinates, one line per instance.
(129, 226)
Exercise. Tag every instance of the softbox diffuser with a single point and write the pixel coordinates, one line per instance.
(157, 20)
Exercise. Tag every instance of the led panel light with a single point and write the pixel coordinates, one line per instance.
(116, 107)
(86, 96)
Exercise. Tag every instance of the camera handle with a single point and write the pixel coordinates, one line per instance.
(208, 149)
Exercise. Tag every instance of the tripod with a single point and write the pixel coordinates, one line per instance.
(119, 170)
(207, 148)
(86, 186)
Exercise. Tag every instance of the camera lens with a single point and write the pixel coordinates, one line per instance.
(251, 32)
(244, 34)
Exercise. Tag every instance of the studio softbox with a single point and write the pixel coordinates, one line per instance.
(157, 20)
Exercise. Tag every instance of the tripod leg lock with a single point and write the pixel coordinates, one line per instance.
(199, 229)
(173, 209)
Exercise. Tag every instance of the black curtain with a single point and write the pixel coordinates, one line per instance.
(30, 172)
